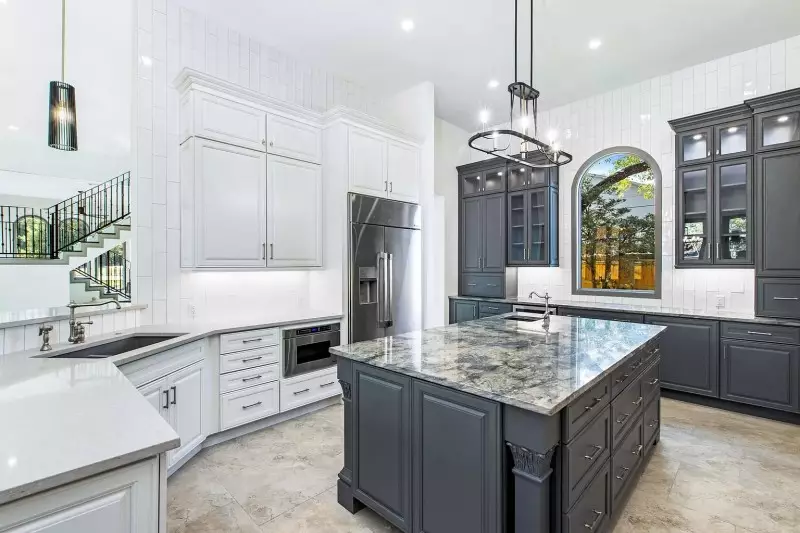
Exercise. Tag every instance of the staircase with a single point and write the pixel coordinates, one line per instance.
(105, 278)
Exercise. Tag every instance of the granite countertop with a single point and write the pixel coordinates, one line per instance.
(714, 314)
(515, 363)
(67, 419)
(10, 319)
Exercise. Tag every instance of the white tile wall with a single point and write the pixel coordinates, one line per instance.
(173, 37)
(637, 116)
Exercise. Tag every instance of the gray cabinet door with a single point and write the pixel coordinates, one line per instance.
(760, 373)
(689, 355)
(778, 213)
(733, 219)
(494, 233)
(382, 443)
(464, 310)
(694, 146)
(517, 228)
(471, 234)
(457, 462)
(694, 234)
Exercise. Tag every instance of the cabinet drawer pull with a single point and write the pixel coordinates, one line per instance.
(247, 360)
(653, 423)
(638, 402)
(624, 473)
(655, 380)
(301, 391)
(174, 390)
(655, 352)
(622, 418)
(245, 380)
(623, 378)
(493, 308)
(593, 404)
(166, 400)
(785, 298)
(592, 457)
(597, 517)
(764, 333)
(248, 341)
(327, 384)
(472, 284)
(637, 450)
(251, 405)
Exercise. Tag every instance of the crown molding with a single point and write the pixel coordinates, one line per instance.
(342, 114)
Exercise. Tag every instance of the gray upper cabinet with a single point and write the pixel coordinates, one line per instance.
(694, 146)
(522, 177)
(689, 354)
(777, 120)
(471, 234)
(778, 213)
(733, 139)
(457, 462)
(483, 233)
(693, 206)
(760, 373)
(533, 227)
(483, 181)
(733, 220)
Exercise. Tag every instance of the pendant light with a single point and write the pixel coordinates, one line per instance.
(63, 126)
(522, 123)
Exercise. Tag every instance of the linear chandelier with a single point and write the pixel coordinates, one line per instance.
(523, 111)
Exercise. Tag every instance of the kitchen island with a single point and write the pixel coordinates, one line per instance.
(500, 425)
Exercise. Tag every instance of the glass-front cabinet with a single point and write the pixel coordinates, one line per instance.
(733, 184)
(733, 139)
(694, 213)
(537, 225)
(778, 129)
(483, 182)
(517, 236)
(694, 146)
(532, 227)
(523, 177)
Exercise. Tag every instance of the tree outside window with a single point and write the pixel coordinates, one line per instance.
(618, 238)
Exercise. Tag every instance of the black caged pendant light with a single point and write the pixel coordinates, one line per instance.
(522, 122)
(62, 121)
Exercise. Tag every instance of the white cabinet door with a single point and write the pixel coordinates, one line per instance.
(291, 138)
(367, 163)
(125, 500)
(402, 171)
(294, 213)
(224, 120)
(186, 409)
(156, 394)
(230, 205)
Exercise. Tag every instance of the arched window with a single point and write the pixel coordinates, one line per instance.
(33, 236)
(71, 231)
(617, 225)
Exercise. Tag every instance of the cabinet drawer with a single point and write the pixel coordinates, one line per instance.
(778, 298)
(600, 314)
(582, 410)
(246, 405)
(250, 377)
(625, 410)
(625, 374)
(308, 390)
(761, 332)
(651, 381)
(584, 456)
(625, 461)
(486, 285)
(651, 419)
(247, 340)
(591, 513)
(248, 359)
(491, 308)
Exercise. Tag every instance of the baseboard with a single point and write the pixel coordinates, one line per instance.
(726, 405)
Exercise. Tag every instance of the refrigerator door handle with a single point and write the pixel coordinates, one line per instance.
(381, 290)
(389, 291)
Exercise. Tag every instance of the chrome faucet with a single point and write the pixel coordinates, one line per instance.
(77, 333)
(546, 297)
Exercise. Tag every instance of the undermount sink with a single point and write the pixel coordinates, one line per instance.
(519, 318)
(112, 348)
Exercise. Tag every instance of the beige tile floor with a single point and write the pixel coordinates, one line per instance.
(712, 472)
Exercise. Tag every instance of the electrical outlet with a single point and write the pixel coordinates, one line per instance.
(720, 301)
(192, 311)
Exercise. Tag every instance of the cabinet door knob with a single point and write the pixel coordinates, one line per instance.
(264, 142)
(272, 142)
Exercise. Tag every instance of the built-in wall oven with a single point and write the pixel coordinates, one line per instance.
(308, 348)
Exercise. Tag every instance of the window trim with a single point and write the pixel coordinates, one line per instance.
(576, 226)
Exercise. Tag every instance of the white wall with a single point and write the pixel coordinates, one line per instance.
(33, 286)
(637, 116)
(174, 37)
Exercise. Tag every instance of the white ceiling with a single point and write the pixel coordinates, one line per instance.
(460, 45)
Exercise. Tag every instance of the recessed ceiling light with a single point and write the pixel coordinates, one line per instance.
(594, 44)
(147, 61)
(483, 116)
(12, 127)
(493, 84)
(697, 137)
(407, 25)
(733, 129)
(784, 118)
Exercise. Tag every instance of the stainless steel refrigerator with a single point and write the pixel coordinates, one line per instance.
(385, 268)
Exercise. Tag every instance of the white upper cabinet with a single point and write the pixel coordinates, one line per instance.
(294, 213)
(382, 166)
(367, 163)
(227, 192)
(295, 139)
(403, 171)
(213, 117)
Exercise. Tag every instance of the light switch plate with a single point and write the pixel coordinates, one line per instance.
(720, 301)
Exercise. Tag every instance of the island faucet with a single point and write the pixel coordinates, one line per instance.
(77, 333)
(546, 297)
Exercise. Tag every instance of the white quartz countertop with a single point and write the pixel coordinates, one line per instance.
(62, 420)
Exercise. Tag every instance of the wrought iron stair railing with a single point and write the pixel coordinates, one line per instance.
(111, 271)
(24, 232)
